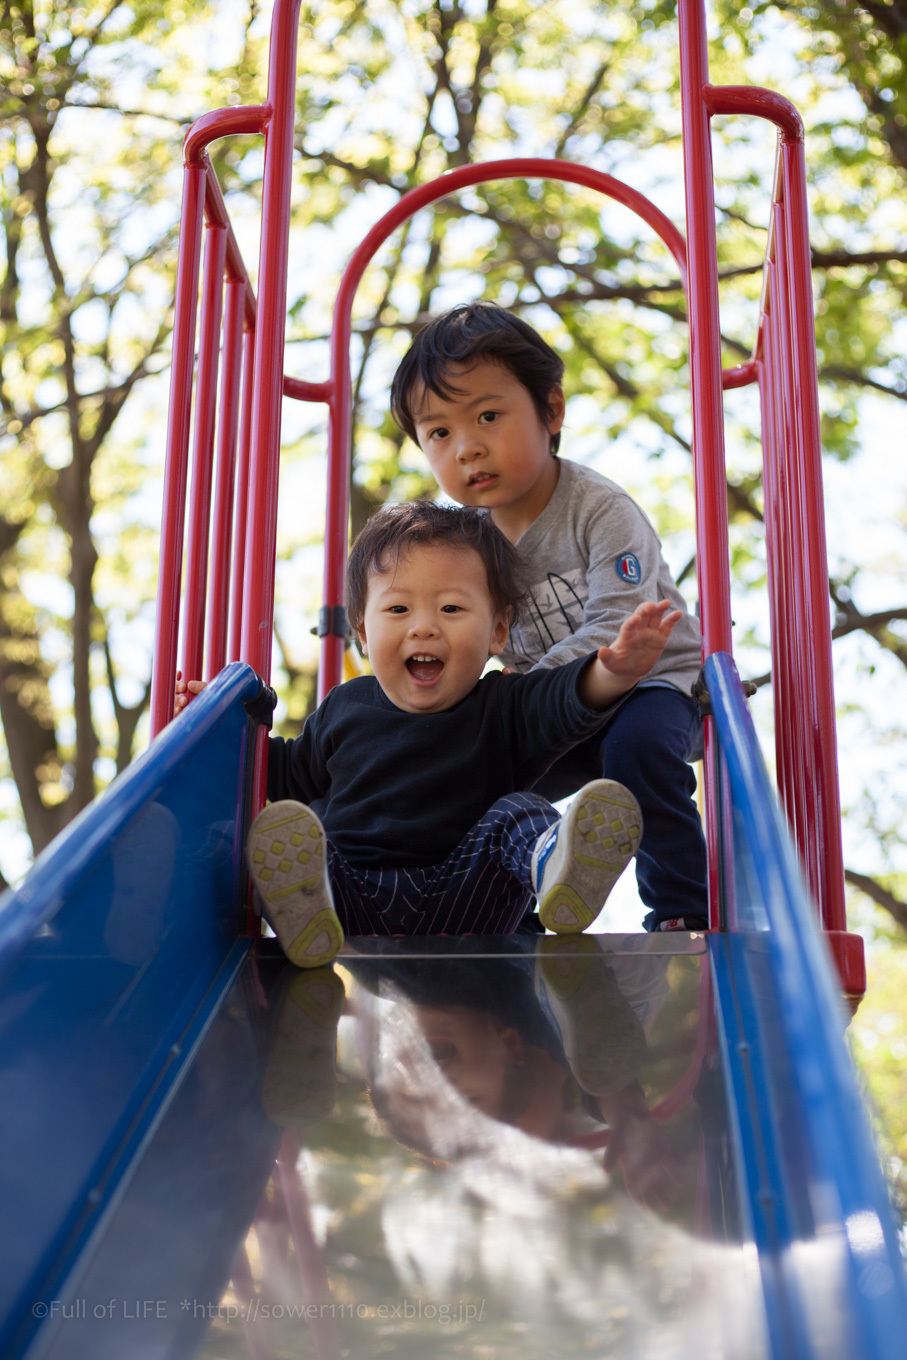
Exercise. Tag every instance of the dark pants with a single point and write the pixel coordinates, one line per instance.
(484, 887)
(647, 746)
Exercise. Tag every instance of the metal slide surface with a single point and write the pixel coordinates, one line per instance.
(613, 1146)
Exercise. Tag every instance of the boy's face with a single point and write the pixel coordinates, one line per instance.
(488, 446)
(430, 626)
(474, 1050)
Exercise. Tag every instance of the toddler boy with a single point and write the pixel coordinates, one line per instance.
(480, 392)
(412, 814)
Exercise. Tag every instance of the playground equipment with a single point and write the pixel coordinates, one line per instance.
(783, 364)
(122, 946)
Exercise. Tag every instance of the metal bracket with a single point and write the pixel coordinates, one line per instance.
(700, 692)
(333, 621)
(261, 708)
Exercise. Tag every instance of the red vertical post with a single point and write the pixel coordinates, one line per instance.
(709, 475)
(203, 456)
(799, 643)
(827, 826)
(261, 523)
(776, 560)
(337, 513)
(260, 547)
(177, 460)
(242, 494)
(225, 467)
(310, 1259)
(705, 339)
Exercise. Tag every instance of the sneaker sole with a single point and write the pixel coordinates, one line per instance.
(563, 963)
(299, 1084)
(598, 836)
(602, 1037)
(286, 859)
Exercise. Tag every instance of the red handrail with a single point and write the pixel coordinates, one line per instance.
(784, 362)
(202, 201)
(176, 466)
(219, 599)
(203, 452)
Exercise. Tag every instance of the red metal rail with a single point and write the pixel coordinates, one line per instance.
(239, 453)
(784, 363)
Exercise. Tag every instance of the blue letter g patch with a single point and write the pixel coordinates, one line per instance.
(628, 568)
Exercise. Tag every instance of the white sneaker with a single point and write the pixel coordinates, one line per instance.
(286, 857)
(576, 863)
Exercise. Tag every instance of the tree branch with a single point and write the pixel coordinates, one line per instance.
(846, 259)
(127, 718)
(890, 17)
(10, 531)
(850, 619)
(111, 107)
(359, 174)
(853, 375)
(27, 717)
(880, 895)
(582, 107)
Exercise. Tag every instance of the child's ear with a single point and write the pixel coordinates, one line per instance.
(360, 633)
(557, 404)
(511, 1043)
(499, 632)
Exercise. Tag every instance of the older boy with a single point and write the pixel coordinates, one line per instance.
(480, 392)
(412, 815)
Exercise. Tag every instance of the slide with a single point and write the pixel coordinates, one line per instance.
(615, 1145)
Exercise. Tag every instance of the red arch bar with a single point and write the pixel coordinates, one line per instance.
(340, 434)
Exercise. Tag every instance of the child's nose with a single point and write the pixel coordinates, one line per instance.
(471, 447)
(423, 625)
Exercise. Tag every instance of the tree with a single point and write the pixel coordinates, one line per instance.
(89, 194)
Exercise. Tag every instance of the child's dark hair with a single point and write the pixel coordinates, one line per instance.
(467, 335)
(394, 529)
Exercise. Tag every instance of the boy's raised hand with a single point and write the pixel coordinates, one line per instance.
(641, 640)
(635, 650)
(183, 691)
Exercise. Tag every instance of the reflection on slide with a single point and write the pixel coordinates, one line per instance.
(481, 1153)
(503, 1170)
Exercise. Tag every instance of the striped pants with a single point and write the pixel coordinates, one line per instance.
(483, 888)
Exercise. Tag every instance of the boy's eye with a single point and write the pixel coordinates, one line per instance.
(440, 433)
(488, 417)
(397, 609)
(451, 608)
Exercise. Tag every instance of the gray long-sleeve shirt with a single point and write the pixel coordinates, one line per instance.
(593, 557)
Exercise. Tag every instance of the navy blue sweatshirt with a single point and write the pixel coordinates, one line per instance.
(401, 790)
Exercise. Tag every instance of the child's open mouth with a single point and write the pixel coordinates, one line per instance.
(483, 479)
(424, 669)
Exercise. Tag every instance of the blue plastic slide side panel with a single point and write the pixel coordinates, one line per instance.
(164, 1256)
(821, 1216)
(113, 955)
